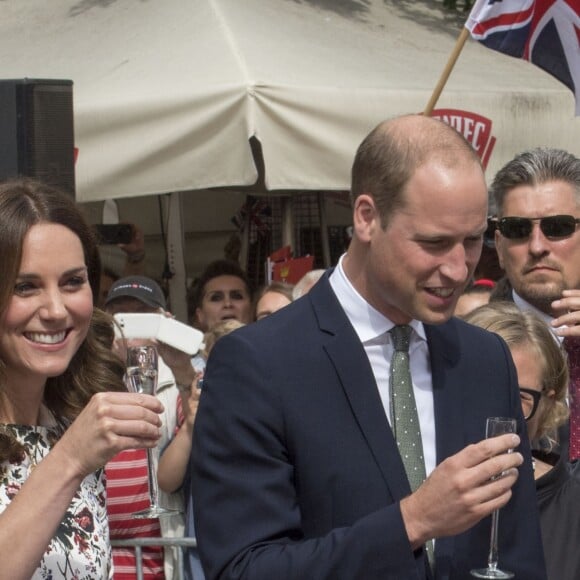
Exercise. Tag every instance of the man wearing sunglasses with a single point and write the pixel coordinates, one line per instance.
(537, 237)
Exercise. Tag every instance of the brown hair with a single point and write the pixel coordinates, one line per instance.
(94, 368)
(213, 270)
(389, 156)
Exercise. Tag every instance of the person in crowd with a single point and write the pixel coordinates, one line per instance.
(305, 283)
(272, 297)
(134, 252)
(134, 263)
(537, 199)
(543, 380)
(488, 266)
(108, 278)
(222, 292)
(63, 412)
(175, 457)
(476, 294)
(502, 291)
(174, 464)
(218, 331)
(135, 294)
(127, 475)
(304, 464)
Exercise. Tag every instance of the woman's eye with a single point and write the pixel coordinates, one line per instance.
(76, 281)
(217, 297)
(23, 288)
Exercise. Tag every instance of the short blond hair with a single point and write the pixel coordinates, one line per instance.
(217, 331)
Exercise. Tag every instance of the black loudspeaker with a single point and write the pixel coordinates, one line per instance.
(37, 131)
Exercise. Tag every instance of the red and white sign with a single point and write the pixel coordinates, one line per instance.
(475, 128)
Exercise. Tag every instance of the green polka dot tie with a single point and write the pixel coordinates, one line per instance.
(404, 418)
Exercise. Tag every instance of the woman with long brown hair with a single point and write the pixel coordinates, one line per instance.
(63, 412)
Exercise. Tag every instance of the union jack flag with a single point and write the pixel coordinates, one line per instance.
(544, 32)
(260, 216)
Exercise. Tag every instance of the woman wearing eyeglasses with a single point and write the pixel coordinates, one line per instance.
(543, 378)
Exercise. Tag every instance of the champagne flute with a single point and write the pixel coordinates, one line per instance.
(495, 426)
(141, 377)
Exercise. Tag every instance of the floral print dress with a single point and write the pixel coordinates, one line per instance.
(80, 549)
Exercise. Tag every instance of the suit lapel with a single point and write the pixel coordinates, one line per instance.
(347, 354)
(357, 380)
(444, 354)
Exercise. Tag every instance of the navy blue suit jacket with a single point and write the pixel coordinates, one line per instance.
(297, 474)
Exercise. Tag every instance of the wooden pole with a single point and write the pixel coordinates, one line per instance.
(446, 72)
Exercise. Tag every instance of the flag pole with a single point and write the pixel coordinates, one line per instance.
(459, 44)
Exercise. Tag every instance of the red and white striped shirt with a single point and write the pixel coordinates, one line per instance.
(128, 492)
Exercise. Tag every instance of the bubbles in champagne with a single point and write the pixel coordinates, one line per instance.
(141, 380)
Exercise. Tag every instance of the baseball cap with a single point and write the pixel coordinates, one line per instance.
(139, 287)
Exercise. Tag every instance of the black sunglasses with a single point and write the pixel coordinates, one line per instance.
(554, 226)
(530, 401)
(489, 234)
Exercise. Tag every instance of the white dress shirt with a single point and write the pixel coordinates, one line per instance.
(524, 305)
(372, 328)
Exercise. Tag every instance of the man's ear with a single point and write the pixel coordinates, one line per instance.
(365, 217)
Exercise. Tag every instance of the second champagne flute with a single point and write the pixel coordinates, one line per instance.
(494, 427)
(141, 377)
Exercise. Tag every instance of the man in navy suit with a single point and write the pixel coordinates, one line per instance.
(297, 474)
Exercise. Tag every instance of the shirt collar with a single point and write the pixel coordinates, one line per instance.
(525, 305)
(368, 322)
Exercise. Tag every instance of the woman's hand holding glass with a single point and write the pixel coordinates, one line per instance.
(110, 423)
(141, 377)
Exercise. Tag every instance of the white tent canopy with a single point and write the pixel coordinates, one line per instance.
(167, 93)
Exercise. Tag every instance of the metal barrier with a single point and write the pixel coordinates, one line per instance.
(139, 543)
